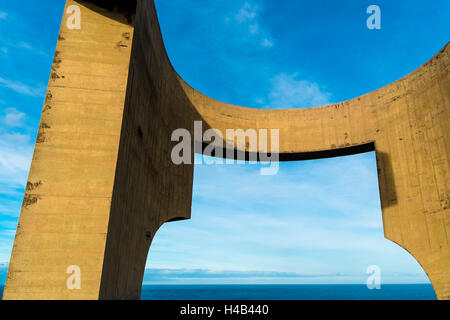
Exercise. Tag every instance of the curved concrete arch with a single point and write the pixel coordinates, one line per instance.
(102, 181)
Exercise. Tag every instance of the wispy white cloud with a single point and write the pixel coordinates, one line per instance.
(6, 244)
(15, 158)
(10, 207)
(290, 91)
(32, 49)
(247, 13)
(25, 45)
(13, 118)
(22, 88)
(14, 139)
(205, 273)
(267, 43)
(196, 276)
(254, 28)
(18, 23)
(249, 17)
(3, 271)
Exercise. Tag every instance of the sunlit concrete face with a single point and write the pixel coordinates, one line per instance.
(102, 181)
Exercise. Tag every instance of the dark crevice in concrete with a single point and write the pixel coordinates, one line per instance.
(300, 156)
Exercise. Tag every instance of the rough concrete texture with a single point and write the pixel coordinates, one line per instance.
(102, 181)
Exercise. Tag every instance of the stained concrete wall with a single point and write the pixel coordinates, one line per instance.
(102, 181)
(66, 208)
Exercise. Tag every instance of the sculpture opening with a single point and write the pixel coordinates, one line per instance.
(315, 222)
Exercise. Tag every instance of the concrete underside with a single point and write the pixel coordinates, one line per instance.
(102, 181)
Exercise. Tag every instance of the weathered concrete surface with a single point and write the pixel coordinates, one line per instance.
(102, 181)
(66, 209)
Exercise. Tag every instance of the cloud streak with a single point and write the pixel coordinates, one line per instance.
(13, 118)
(205, 273)
(198, 276)
(22, 88)
(288, 91)
(15, 159)
(248, 16)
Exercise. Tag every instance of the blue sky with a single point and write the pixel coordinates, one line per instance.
(313, 222)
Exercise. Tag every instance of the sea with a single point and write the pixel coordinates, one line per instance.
(286, 292)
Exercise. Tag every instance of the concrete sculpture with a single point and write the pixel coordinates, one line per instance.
(102, 181)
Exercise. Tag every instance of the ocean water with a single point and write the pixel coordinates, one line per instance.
(286, 292)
